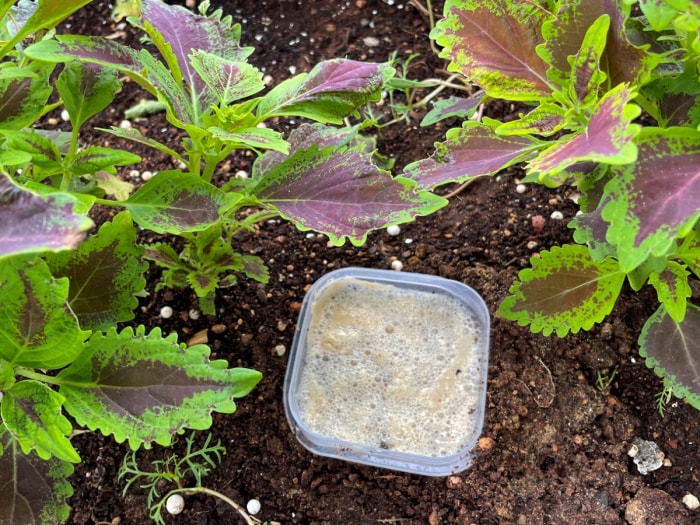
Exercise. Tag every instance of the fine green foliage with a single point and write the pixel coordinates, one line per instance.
(613, 109)
(195, 464)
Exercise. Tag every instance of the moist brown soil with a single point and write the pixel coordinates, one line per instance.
(554, 446)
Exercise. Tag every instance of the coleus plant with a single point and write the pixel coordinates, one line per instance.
(63, 296)
(320, 177)
(614, 109)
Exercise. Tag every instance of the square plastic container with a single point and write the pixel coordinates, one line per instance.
(389, 369)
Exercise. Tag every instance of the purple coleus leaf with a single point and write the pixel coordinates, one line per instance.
(494, 45)
(472, 151)
(672, 349)
(607, 138)
(566, 290)
(105, 274)
(657, 198)
(141, 66)
(328, 183)
(31, 486)
(186, 33)
(29, 223)
(330, 91)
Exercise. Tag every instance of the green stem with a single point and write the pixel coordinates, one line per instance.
(222, 497)
(107, 202)
(31, 374)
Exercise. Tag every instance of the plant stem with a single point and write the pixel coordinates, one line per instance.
(199, 490)
(31, 374)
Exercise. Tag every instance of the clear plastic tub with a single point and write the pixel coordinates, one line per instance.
(389, 369)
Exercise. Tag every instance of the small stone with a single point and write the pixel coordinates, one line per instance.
(648, 456)
(371, 41)
(280, 350)
(253, 507)
(194, 314)
(146, 175)
(532, 245)
(125, 124)
(557, 215)
(218, 328)
(521, 188)
(241, 174)
(52, 121)
(175, 504)
(484, 444)
(691, 501)
(454, 482)
(397, 265)
(538, 223)
(65, 116)
(200, 338)
(166, 312)
(393, 230)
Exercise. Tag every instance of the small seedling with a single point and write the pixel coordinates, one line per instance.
(192, 467)
(662, 399)
(603, 381)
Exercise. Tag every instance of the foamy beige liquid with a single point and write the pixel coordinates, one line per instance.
(392, 368)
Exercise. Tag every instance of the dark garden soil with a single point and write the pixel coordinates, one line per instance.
(554, 446)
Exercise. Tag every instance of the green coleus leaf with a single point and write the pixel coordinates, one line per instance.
(607, 138)
(258, 138)
(30, 223)
(163, 255)
(23, 94)
(332, 90)
(32, 490)
(228, 81)
(32, 413)
(452, 107)
(672, 349)
(113, 185)
(177, 202)
(96, 158)
(105, 274)
(329, 183)
(621, 61)
(39, 331)
(689, 251)
(676, 99)
(657, 198)
(47, 15)
(494, 45)
(566, 290)
(135, 135)
(146, 388)
(586, 73)
(86, 90)
(44, 153)
(471, 151)
(672, 289)
(254, 268)
(546, 119)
